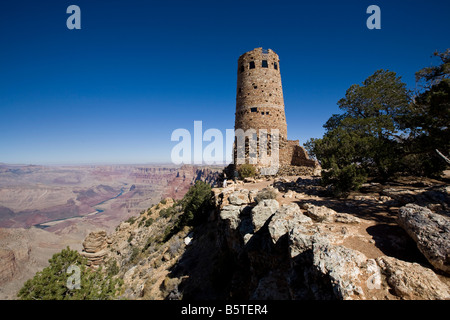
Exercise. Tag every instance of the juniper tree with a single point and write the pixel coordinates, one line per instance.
(52, 282)
(383, 131)
(363, 140)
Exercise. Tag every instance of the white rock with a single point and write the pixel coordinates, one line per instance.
(430, 231)
(188, 240)
(263, 211)
(231, 213)
(285, 219)
(239, 197)
(412, 281)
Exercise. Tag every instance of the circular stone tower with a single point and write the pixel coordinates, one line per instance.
(260, 105)
(259, 95)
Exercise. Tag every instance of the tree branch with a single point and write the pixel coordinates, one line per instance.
(445, 158)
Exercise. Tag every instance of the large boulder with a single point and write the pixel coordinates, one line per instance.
(290, 194)
(239, 197)
(319, 213)
(302, 238)
(231, 214)
(412, 281)
(325, 214)
(263, 211)
(327, 270)
(346, 269)
(430, 231)
(231, 217)
(285, 219)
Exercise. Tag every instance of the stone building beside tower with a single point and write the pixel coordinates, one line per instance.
(260, 105)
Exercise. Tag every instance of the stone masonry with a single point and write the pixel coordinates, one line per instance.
(260, 105)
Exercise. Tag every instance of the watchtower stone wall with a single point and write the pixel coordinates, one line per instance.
(260, 105)
(259, 94)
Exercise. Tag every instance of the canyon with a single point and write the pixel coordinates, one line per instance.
(263, 238)
(44, 209)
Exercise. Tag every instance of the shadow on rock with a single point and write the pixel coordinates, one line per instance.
(393, 241)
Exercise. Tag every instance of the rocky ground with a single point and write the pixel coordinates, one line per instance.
(283, 238)
(367, 246)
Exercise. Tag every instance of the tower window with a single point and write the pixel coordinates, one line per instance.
(275, 66)
(262, 113)
(253, 109)
(252, 65)
(240, 90)
(264, 64)
(267, 112)
(242, 69)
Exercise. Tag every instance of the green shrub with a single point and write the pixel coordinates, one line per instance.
(195, 204)
(149, 222)
(112, 267)
(175, 246)
(149, 242)
(168, 212)
(265, 194)
(134, 255)
(169, 285)
(246, 171)
(141, 223)
(131, 220)
(341, 181)
(168, 233)
(157, 263)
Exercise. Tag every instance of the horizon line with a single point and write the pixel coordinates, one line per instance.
(111, 164)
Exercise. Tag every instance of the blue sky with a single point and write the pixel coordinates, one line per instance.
(114, 91)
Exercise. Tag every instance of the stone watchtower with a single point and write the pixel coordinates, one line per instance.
(260, 104)
(259, 96)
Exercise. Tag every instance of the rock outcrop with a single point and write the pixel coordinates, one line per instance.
(8, 265)
(138, 252)
(412, 281)
(262, 212)
(290, 253)
(286, 219)
(430, 231)
(239, 197)
(278, 241)
(325, 214)
(186, 176)
(94, 248)
(346, 270)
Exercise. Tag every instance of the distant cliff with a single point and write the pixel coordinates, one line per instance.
(186, 175)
